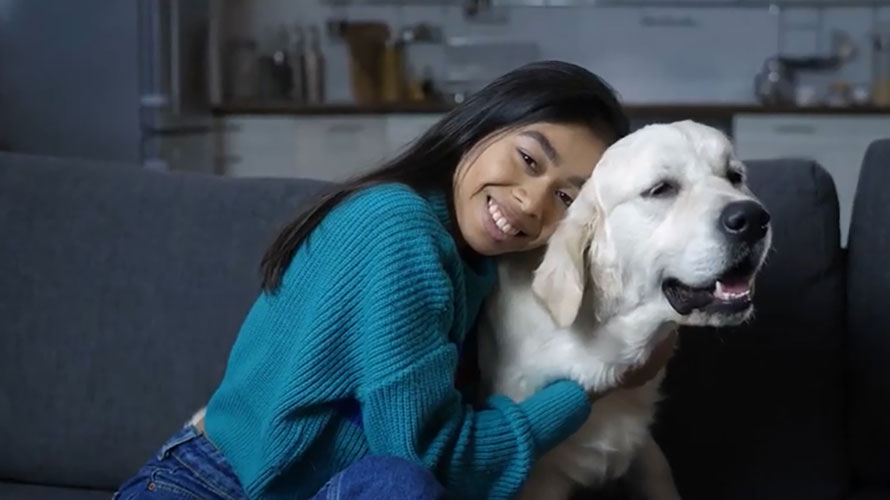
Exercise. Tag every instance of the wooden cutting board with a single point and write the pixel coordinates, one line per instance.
(366, 41)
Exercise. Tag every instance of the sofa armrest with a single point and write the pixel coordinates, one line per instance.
(868, 321)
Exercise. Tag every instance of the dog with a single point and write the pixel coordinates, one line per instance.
(665, 233)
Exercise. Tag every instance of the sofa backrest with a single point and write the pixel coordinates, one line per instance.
(121, 292)
(868, 322)
(756, 412)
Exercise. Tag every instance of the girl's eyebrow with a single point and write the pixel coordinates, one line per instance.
(545, 143)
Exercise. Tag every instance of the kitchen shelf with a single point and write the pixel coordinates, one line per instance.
(453, 3)
(690, 3)
(665, 110)
(631, 3)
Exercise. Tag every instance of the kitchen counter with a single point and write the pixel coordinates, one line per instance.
(679, 110)
(257, 107)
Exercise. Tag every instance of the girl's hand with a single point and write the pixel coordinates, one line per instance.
(639, 375)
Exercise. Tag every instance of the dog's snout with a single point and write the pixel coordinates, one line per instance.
(745, 221)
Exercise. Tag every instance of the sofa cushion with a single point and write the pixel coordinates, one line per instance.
(19, 491)
(868, 322)
(757, 411)
(122, 291)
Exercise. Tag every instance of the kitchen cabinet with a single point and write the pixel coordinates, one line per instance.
(837, 142)
(320, 147)
(259, 146)
(401, 130)
(336, 148)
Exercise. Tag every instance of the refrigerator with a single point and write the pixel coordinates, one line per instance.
(125, 81)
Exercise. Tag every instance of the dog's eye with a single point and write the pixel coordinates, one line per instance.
(734, 177)
(662, 189)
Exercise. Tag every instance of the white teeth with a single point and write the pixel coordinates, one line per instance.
(499, 220)
(722, 294)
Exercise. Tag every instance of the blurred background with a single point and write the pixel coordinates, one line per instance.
(124, 284)
(324, 89)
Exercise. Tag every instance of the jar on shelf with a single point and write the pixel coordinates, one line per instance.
(880, 76)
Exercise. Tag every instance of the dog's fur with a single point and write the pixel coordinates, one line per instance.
(595, 306)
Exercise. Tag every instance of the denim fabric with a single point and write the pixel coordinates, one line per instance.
(187, 467)
(382, 478)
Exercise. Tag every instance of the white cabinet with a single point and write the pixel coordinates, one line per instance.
(329, 148)
(259, 146)
(336, 148)
(837, 142)
(403, 129)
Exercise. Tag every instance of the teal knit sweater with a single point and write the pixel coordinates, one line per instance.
(373, 309)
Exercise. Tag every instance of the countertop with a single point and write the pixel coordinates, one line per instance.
(700, 110)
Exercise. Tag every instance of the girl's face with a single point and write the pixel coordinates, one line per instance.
(512, 189)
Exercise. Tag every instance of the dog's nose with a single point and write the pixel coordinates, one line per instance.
(744, 221)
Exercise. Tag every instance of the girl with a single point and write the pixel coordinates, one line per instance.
(341, 383)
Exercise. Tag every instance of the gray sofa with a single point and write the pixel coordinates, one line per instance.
(121, 291)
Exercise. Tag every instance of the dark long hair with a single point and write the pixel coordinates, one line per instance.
(546, 91)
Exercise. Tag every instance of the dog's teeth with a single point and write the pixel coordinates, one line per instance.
(721, 293)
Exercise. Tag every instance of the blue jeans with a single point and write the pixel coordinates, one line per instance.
(189, 467)
(382, 478)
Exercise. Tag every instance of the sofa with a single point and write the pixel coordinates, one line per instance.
(122, 289)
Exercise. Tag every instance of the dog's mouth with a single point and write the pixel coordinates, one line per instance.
(731, 292)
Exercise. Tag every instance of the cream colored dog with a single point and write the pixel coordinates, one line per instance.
(665, 233)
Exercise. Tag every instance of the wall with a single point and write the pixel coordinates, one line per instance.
(649, 55)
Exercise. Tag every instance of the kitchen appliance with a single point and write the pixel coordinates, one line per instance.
(774, 85)
(122, 81)
(313, 62)
(776, 82)
(880, 83)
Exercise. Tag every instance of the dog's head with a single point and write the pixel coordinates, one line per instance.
(666, 220)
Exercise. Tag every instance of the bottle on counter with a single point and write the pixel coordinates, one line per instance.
(276, 79)
(392, 72)
(242, 69)
(313, 68)
(880, 85)
(295, 48)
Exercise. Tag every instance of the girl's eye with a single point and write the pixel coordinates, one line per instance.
(565, 197)
(529, 161)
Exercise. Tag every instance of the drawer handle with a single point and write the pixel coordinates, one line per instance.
(344, 128)
(795, 129)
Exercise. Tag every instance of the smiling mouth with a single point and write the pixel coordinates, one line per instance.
(498, 224)
(731, 292)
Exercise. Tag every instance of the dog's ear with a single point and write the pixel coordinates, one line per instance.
(560, 279)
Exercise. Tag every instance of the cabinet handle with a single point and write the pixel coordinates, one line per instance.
(344, 128)
(795, 128)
